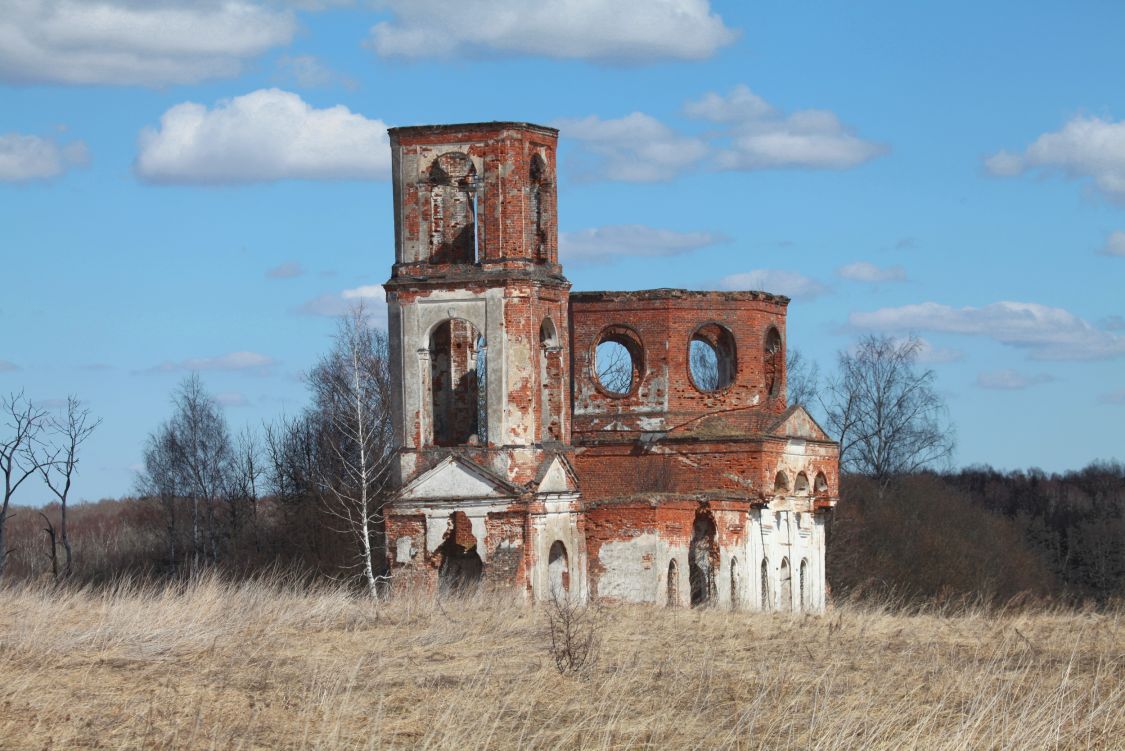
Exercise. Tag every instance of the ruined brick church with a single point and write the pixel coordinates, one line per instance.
(631, 446)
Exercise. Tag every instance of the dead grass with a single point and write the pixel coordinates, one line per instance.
(275, 665)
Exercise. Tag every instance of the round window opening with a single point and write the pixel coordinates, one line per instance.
(711, 358)
(618, 361)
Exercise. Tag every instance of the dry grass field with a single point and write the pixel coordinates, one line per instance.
(273, 665)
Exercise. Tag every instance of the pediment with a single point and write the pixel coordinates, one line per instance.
(557, 476)
(796, 422)
(455, 478)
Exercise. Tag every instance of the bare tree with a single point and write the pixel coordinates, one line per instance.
(887, 415)
(161, 479)
(23, 424)
(614, 367)
(802, 378)
(58, 463)
(352, 390)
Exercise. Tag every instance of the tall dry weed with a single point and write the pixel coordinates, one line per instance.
(277, 663)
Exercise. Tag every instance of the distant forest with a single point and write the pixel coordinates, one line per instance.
(974, 535)
(984, 534)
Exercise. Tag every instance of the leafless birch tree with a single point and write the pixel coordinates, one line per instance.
(57, 462)
(351, 388)
(23, 424)
(885, 412)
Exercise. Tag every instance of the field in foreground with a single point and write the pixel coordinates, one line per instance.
(270, 665)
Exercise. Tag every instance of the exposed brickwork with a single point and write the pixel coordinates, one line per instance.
(677, 491)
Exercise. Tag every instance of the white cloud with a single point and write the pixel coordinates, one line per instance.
(928, 353)
(233, 361)
(634, 148)
(1085, 147)
(310, 72)
(1113, 397)
(1010, 380)
(1049, 333)
(862, 271)
(615, 31)
(605, 244)
(1114, 244)
(232, 399)
(335, 304)
(267, 134)
(24, 158)
(775, 281)
(6, 366)
(740, 105)
(135, 43)
(761, 137)
(287, 270)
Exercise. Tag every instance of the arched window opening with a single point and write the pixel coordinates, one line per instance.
(454, 196)
(801, 484)
(461, 566)
(618, 361)
(458, 384)
(550, 379)
(765, 584)
(703, 555)
(820, 484)
(558, 570)
(806, 601)
(781, 483)
(711, 357)
(735, 585)
(774, 362)
(786, 586)
(673, 584)
(538, 198)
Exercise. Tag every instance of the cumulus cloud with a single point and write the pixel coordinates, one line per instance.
(1010, 380)
(287, 270)
(775, 281)
(634, 148)
(928, 353)
(7, 366)
(612, 31)
(1112, 323)
(752, 135)
(606, 244)
(310, 72)
(1114, 244)
(232, 399)
(862, 271)
(1084, 148)
(251, 362)
(335, 304)
(24, 158)
(760, 137)
(265, 135)
(135, 43)
(1048, 333)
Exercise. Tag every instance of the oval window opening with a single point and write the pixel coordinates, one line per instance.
(614, 366)
(704, 365)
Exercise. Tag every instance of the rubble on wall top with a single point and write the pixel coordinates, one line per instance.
(665, 293)
(458, 127)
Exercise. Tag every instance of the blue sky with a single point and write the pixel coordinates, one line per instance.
(202, 185)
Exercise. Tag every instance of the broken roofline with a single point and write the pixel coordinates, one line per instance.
(670, 293)
(479, 127)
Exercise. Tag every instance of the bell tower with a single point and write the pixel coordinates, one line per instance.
(477, 301)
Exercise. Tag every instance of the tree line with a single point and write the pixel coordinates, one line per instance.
(305, 492)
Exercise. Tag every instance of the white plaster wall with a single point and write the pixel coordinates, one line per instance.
(558, 522)
(779, 533)
(629, 578)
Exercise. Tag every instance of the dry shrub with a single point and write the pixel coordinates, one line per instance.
(574, 630)
(274, 663)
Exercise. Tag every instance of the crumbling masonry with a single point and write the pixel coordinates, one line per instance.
(631, 446)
